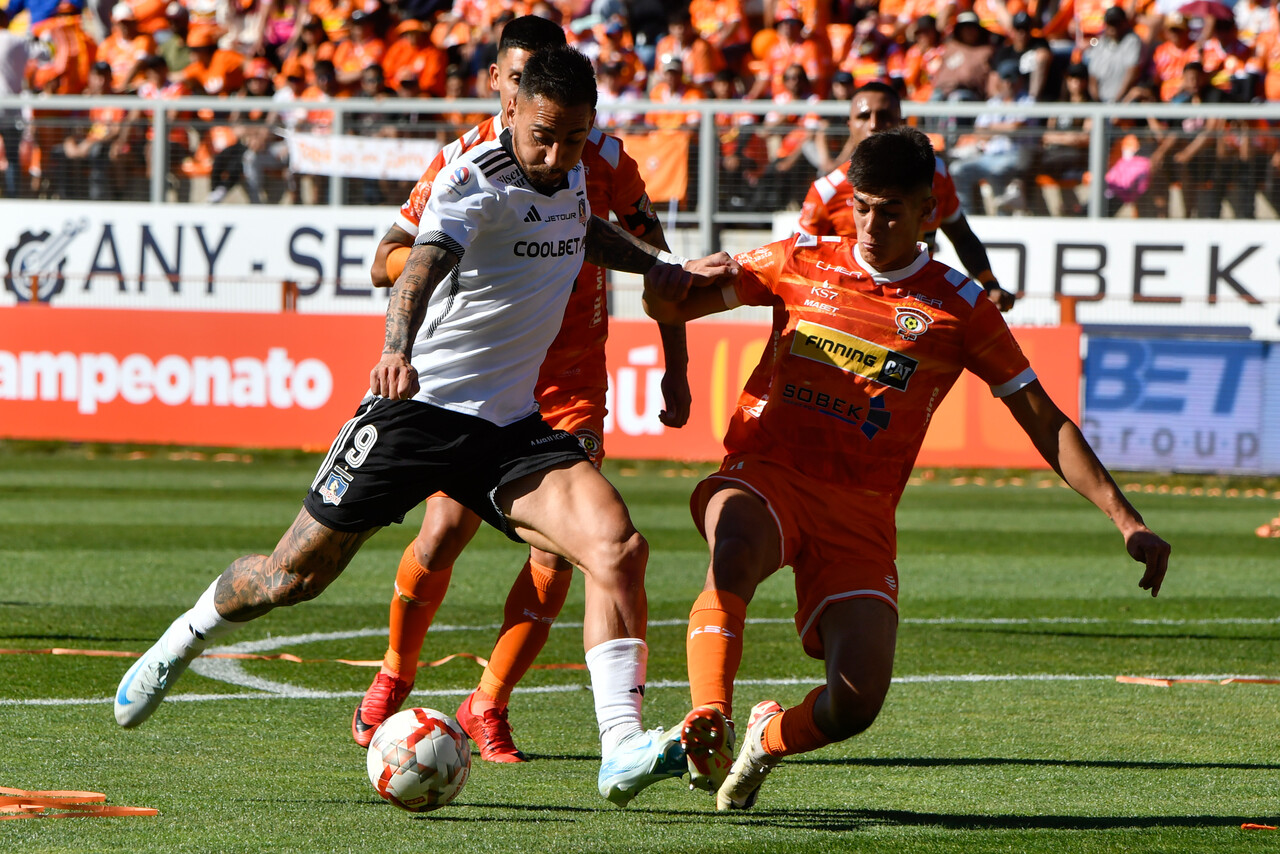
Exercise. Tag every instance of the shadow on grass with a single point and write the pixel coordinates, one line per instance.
(992, 761)
(1158, 633)
(845, 820)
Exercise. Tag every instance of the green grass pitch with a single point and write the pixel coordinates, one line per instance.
(1005, 730)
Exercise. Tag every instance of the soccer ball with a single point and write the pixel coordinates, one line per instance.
(419, 759)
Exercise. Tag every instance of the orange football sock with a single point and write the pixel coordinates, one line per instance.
(413, 606)
(532, 606)
(713, 648)
(795, 730)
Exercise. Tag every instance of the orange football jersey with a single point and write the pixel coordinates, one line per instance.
(859, 360)
(828, 206)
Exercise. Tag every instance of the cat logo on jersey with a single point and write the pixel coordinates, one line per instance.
(912, 322)
(852, 354)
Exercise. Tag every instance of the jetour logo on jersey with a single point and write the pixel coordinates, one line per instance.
(852, 354)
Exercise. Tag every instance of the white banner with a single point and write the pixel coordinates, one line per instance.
(360, 156)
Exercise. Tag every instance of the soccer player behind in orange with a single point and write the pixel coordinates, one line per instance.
(571, 393)
(828, 207)
(868, 338)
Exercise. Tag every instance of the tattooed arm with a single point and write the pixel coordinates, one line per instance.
(426, 267)
(612, 247)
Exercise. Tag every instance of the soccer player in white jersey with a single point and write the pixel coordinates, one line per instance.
(451, 407)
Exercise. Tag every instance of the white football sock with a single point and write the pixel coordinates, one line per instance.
(198, 626)
(617, 669)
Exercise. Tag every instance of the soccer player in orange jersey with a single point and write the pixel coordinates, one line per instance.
(828, 207)
(868, 336)
(570, 391)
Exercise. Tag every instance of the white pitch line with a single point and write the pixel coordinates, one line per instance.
(918, 679)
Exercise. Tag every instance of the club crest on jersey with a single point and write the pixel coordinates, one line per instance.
(590, 442)
(582, 210)
(461, 175)
(912, 322)
(335, 486)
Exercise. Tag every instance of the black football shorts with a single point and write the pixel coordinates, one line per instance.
(395, 453)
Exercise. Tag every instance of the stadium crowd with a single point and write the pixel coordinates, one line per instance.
(303, 52)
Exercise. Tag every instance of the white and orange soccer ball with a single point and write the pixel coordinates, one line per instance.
(419, 759)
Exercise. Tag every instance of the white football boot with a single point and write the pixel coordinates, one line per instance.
(740, 788)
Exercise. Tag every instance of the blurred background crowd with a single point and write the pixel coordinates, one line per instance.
(301, 53)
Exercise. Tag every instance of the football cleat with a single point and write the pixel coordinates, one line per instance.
(708, 747)
(145, 683)
(491, 732)
(740, 788)
(639, 761)
(381, 701)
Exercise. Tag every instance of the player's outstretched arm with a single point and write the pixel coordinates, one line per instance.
(670, 298)
(394, 376)
(390, 257)
(1063, 446)
(609, 246)
(973, 256)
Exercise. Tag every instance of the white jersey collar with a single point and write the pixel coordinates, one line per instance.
(888, 277)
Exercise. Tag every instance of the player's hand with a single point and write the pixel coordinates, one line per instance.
(999, 297)
(716, 269)
(393, 378)
(1146, 547)
(677, 400)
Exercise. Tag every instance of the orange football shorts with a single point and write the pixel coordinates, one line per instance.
(840, 542)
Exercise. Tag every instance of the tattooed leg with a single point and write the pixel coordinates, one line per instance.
(308, 557)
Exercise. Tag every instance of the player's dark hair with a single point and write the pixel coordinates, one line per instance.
(560, 74)
(531, 33)
(898, 160)
(880, 88)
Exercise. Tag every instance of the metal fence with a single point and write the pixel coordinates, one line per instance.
(745, 160)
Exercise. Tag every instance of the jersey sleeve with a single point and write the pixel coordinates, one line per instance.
(813, 214)
(458, 207)
(761, 269)
(411, 211)
(630, 200)
(944, 190)
(991, 351)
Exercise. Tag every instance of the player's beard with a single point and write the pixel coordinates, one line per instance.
(545, 180)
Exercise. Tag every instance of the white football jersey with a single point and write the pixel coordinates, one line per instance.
(489, 323)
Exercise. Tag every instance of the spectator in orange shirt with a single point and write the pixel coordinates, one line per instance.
(333, 16)
(360, 49)
(213, 71)
(701, 60)
(791, 48)
(413, 54)
(1225, 56)
(1268, 57)
(124, 48)
(872, 56)
(723, 23)
(923, 58)
(787, 177)
(613, 47)
(313, 46)
(672, 89)
(1172, 55)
